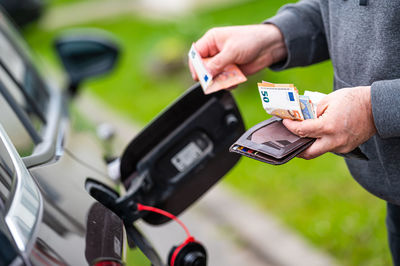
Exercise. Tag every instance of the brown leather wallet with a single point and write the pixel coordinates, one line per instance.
(270, 142)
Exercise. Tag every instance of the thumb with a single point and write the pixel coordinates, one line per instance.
(218, 62)
(308, 128)
(322, 106)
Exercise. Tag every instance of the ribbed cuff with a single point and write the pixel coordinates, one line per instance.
(385, 103)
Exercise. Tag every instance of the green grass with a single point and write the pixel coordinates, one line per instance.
(62, 2)
(136, 258)
(317, 198)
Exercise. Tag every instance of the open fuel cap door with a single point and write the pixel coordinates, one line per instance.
(183, 152)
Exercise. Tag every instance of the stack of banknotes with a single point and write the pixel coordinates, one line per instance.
(284, 101)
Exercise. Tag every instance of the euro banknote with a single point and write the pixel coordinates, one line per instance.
(284, 101)
(203, 75)
(315, 98)
(307, 107)
(230, 76)
(280, 100)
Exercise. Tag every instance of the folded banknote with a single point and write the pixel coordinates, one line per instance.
(230, 76)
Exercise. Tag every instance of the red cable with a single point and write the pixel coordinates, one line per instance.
(164, 213)
(189, 238)
(178, 249)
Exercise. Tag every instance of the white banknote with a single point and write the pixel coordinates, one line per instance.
(204, 76)
(315, 98)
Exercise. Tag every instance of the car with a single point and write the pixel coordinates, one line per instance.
(47, 215)
(59, 205)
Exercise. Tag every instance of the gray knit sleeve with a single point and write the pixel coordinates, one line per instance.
(385, 101)
(303, 30)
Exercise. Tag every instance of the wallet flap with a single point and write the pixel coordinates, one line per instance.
(271, 142)
(267, 158)
(272, 138)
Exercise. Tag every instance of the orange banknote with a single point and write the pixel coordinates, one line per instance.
(229, 77)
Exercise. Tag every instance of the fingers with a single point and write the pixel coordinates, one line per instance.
(251, 68)
(322, 106)
(311, 128)
(213, 45)
(217, 63)
(319, 147)
(206, 46)
(259, 62)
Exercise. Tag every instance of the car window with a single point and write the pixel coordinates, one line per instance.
(17, 131)
(24, 97)
(9, 56)
(17, 61)
(21, 100)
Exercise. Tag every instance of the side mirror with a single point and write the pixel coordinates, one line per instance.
(86, 54)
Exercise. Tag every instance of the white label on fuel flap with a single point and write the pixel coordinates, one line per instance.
(186, 157)
(117, 246)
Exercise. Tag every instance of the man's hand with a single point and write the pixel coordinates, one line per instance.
(344, 122)
(252, 48)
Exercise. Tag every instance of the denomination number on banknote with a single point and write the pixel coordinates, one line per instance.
(265, 96)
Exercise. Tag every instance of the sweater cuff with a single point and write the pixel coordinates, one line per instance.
(385, 103)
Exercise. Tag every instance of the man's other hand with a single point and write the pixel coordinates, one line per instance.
(344, 122)
(252, 48)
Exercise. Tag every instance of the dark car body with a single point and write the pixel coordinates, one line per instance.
(47, 216)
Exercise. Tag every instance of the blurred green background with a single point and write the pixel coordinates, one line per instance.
(317, 198)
